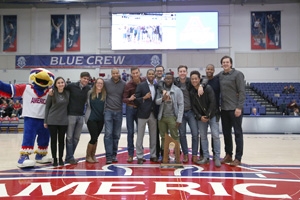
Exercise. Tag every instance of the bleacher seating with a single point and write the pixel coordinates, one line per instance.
(246, 110)
(273, 92)
(262, 110)
(250, 103)
(9, 124)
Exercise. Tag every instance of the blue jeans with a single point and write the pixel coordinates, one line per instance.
(131, 117)
(189, 117)
(214, 127)
(229, 120)
(113, 124)
(73, 135)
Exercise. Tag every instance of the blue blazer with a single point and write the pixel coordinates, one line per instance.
(145, 107)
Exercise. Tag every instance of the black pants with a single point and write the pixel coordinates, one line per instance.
(95, 128)
(229, 120)
(60, 131)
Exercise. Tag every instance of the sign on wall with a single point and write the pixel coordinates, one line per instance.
(88, 61)
(57, 33)
(9, 33)
(265, 30)
(73, 33)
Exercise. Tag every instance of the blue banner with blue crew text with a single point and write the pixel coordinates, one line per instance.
(88, 61)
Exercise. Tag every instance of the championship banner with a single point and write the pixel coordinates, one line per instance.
(265, 30)
(10, 33)
(88, 61)
(57, 33)
(73, 33)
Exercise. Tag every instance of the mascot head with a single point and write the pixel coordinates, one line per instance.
(41, 79)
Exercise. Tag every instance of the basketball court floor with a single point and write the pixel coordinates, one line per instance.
(270, 170)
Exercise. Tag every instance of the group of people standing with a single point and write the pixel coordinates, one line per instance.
(68, 106)
(167, 104)
(64, 116)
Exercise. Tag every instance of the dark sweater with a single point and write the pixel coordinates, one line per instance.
(114, 95)
(56, 112)
(77, 99)
(232, 85)
(215, 84)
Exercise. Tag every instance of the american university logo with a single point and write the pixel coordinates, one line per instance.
(155, 61)
(149, 181)
(21, 62)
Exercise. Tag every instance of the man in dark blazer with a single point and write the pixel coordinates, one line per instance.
(147, 114)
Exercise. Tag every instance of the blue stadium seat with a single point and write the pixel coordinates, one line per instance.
(262, 110)
(246, 110)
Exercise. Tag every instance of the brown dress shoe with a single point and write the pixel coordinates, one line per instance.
(154, 159)
(235, 163)
(195, 159)
(130, 159)
(185, 158)
(140, 161)
(227, 159)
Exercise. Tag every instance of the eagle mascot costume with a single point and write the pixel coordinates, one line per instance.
(34, 97)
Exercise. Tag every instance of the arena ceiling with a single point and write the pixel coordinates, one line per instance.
(7, 4)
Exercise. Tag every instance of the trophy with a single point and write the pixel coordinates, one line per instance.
(171, 157)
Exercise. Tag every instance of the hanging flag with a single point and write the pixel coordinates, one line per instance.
(9, 33)
(57, 33)
(73, 33)
(265, 30)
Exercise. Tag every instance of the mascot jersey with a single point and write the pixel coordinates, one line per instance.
(33, 105)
